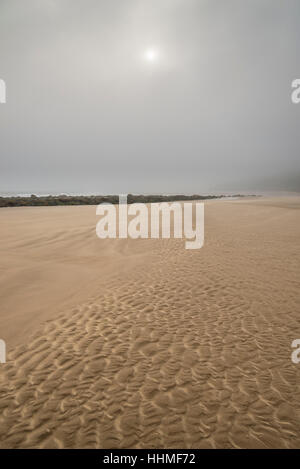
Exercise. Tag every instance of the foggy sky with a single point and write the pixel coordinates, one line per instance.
(86, 113)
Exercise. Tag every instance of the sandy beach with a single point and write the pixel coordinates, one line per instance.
(144, 344)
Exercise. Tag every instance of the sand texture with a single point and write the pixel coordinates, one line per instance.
(144, 344)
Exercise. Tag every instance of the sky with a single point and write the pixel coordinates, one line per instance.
(149, 96)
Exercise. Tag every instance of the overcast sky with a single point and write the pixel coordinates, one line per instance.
(87, 112)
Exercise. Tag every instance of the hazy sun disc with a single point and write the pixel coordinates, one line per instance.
(151, 55)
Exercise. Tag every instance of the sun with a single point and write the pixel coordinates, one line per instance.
(151, 55)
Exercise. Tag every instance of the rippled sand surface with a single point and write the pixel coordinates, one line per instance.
(143, 344)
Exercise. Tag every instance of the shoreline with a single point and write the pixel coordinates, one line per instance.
(66, 200)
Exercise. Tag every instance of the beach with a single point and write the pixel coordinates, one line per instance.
(140, 343)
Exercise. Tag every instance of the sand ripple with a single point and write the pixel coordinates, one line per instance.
(188, 349)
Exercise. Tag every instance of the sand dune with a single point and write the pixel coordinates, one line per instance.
(143, 344)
